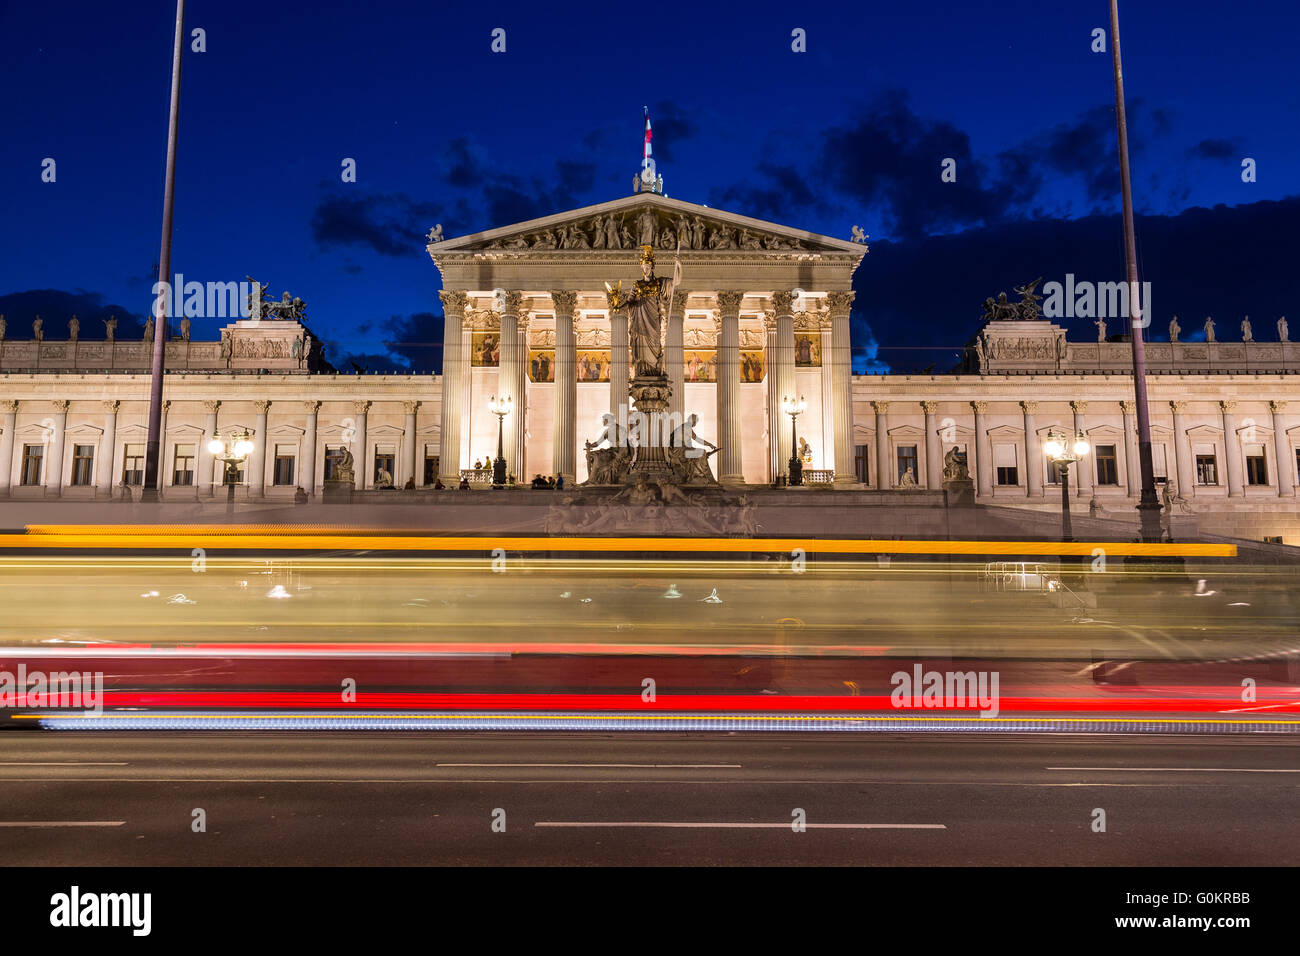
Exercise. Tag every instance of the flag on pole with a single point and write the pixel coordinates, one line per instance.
(648, 133)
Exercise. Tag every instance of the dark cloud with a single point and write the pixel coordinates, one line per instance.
(56, 306)
(1225, 262)
(1215, 149)
(390, 224)
(417, 338)
(672, 127)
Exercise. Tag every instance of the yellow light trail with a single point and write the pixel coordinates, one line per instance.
(135, 537)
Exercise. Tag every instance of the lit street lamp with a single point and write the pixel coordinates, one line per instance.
(233, 451)
(794, 408)
(1065, 452)
(500, 408)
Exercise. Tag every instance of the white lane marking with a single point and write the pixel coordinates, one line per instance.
(746, 826)
(1245, 710)
(656, 766)
(62, 823)
(1182, 769)
(65, 763)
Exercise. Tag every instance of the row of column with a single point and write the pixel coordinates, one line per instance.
(513, 367)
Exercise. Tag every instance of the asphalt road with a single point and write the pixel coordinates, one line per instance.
(94, 798)
(1214, 611)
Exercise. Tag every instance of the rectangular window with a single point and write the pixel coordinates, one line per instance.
(384, 465)
(284, 455)
(906, 461)
(32, 457)
(1004, 462)
(133, 465)
(183, 465)
(333, 458)
(83, 464)
(860, 462)
(1107, 465)
(1256, 465)
(430, 465)
(1207, 470)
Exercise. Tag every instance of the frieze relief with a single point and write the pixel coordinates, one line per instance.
(661, 229)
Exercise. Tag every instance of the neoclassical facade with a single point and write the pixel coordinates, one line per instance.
(761, 312)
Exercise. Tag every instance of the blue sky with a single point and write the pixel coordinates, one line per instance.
(443, 130)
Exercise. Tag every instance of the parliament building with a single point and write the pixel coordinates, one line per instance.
(761, 313)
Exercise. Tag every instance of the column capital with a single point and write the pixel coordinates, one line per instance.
(1227, 407)
(453, 301)
(980, 407)
(11, 405)
(783, 303)
(360, 408)
(1030, 408)
(262, 405)
(1128, 407)
(839, 302)
(1079, 407)
(513, 300)
(880, 407)
(113, 406)
(212, 405)
(1277, 406)
(564, 300)
(61, 405)
(729, 304)
(930, 407)
(679, 304)
(311, 408)
(1178, 407)
(410, 407)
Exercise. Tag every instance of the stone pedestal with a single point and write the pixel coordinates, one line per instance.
(650, 395)
(337, 492)
(959, 492)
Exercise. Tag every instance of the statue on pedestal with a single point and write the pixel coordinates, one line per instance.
(1283, 333)
(1174, 329)
(1246, 334)
(1209, 329)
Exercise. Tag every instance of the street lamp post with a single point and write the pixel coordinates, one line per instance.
(232, 452)
(500, 408)
(794, 408)
(1064, 453)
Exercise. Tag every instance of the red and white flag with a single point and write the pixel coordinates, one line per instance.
(648, 133)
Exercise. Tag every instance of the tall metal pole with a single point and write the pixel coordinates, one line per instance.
(1067, 531)
(1149, 505)
(152, 456)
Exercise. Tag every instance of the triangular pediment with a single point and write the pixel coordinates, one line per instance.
(622, 226)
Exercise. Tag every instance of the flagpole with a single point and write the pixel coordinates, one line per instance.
(1148, 505)
(153, 457)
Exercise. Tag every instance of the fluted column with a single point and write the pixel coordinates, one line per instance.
(618, 381)
(257, 463)
(1282, 451)
(409, 471)
(454, 380)
(360, 469)
(1133, 464)
(983, 451)
(512, 364)
(1183, 453)
(206, 464)
(564, 442)
(307, 470)
(884, 479)
(1083, 469)
(8, 421)
(841, 385)
(775, 418)
(783, 377)
(675, 356)
(933, 448)
(1033, 454)
(730, 467)
(1231, 449)
(54, 470)
(107, 446)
